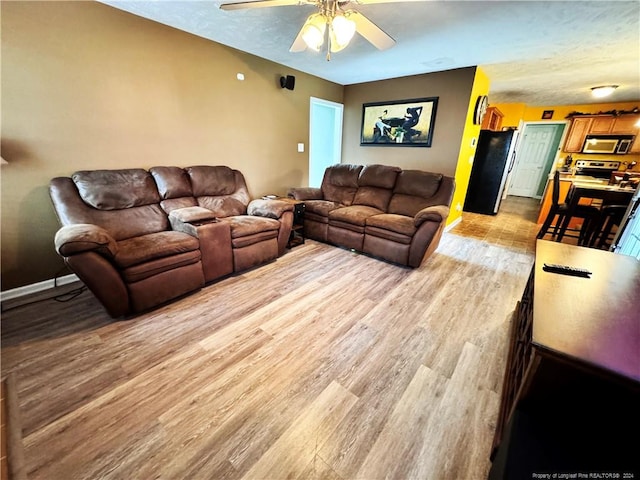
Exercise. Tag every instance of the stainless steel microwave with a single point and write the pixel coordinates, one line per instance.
(608, 144)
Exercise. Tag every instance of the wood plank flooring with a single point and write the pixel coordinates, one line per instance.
(324, 364)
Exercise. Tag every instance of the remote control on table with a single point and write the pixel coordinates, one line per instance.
(566, 270)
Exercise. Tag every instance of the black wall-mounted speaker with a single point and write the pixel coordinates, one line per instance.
(288, 82)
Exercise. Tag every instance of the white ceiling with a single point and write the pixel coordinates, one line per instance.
(538, 53)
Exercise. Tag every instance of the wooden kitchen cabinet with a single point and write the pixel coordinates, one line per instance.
(625, 125)
(492, 119)
(601, 125)
(581, 126)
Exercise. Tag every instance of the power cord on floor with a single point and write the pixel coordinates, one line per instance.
(64, 297)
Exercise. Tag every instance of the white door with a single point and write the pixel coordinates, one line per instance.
(325, 138)
(536, 144)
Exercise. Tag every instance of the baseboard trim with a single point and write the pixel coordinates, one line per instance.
(37, 287)
(453, 224)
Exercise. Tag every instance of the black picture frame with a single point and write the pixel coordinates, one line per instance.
(387, 123)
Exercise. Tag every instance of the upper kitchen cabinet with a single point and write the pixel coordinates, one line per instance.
(580, 127)
(584, 125)
(492, 119)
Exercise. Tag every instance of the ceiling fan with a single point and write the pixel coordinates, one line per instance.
(334, 24)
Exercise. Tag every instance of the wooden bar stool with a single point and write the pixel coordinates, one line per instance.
(610, 216)
(586, 212)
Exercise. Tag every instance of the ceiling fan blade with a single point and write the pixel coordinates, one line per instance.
(369, 2)
(298, 45)
(261, 4)
(370, 31)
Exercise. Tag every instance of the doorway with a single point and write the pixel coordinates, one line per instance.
(539, 146)
(325, 138)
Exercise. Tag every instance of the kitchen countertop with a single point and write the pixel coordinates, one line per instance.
(567, 177)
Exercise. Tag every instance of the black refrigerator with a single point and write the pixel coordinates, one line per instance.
(494, 158)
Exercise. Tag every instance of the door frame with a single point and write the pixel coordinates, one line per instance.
(317, 134)
(522, 125)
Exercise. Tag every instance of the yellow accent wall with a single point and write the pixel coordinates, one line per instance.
(467, 150)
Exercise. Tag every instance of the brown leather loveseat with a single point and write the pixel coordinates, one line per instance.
(140, 238)
(397, 215)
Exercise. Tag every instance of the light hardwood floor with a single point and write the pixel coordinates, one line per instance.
(324, 364)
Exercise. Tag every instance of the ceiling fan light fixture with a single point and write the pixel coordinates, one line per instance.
(313, 31)
(341, 32)
(603, 90)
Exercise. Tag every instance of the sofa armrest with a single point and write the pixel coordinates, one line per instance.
(434, 213)
(85, 237)
(305, 193)
(193, 215)
(269, 208)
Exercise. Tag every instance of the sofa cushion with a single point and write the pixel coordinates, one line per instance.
(383, 176)
(171, 204)
(319, 207)
(394, 223)
(209, 180)
(244, 225)
(192, 214)
(145, 248)
(418, 183)
(413, 192)
(223, 206)
(355, 215)
(374, 197)
(172, 182)
(116, 189)
(340, 183)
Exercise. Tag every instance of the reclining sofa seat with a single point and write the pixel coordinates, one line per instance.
(371, 197)
(411, 229)
(215, 204)
(116, 239)
(398, 215)
(138, 239)
(338, 188)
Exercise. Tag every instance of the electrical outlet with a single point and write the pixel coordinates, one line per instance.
(459, 207)
(301, 147)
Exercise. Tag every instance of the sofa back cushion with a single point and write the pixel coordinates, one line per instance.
(172, 182)
(414, 190)
(123, 202)
(207, 180)
(174, 187)
(340, 183)
(375, 186)
(116, 189)
(220, 189)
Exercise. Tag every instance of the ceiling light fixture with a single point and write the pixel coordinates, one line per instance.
(603, 90)
(330, 24)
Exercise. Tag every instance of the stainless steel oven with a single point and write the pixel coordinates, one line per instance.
(597, 168)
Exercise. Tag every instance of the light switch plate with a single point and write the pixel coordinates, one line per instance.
(301, 147)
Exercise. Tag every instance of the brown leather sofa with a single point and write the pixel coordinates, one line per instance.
(397, 215)
(140, 238)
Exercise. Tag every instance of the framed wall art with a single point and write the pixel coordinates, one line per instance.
(406, 123)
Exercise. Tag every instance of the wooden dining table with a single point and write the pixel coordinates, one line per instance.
(609, 194)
